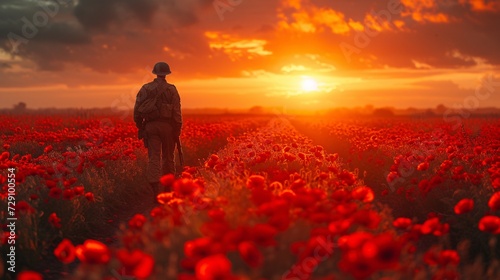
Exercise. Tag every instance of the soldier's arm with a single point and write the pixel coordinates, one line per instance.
(138, 101)
(176, 102)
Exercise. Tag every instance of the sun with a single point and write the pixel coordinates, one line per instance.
(309, 84)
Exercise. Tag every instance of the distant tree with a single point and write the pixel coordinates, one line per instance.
(383, 112)
(256, 110)
(411, 111)
(19, 107)
(369, 108)
(429, 113)
(440, 109)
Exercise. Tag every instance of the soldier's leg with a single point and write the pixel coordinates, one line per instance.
(154, 156)
(168, 147)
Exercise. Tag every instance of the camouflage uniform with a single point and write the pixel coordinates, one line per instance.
(159, 135)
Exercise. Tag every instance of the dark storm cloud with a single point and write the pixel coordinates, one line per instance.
(98, 14)
(23, 21)
(101, 35)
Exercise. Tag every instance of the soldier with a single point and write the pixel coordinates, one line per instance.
(160, 130)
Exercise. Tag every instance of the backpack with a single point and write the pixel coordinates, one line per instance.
(156, 107)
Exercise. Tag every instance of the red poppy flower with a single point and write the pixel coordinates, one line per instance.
(384, 250)
(93, 252)
(354, 240)
(167, 180)
(449, 257)
(217, 215)
(393, 175)
(54, 220)
(198, 248)
(68, 194)
(289, 156)
(341, 196)
(24, 207)
(423, 166)
(354, 263)
(280, 221)
(363, 193)
(136, 263)
(367, 218)
(402, 223)
(340, 227)
(261, 196)
(185, 187)
(250, 254)
(494, 202)
(496, 183)
(463, 206)
(332, 157)
(137, 221)
(490, 224)
(263, 235)
(256, 181)
(165, 198)
(318, 248)
(304, 200)
(90, 196)
(65, 251)
(216, 267)
(432, 226)
(233, 238)
(47, 149)
(29, 275)
(302, 156)
(288, 195)
(55, 192)
(212, 161)
(346, 209)
(79, 190)
(348, 178)
(298, 184)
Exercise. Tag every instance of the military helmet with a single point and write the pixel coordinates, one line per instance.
(161, 69)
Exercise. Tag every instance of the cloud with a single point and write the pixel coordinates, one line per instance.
(100, 15)
(237, 48)
(127, 36)
(483, 5)
(110, 35)
(424, 11)
(303, 16)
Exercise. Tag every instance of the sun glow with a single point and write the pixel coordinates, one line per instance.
(309, 84)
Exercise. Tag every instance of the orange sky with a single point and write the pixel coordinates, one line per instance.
(241, 53)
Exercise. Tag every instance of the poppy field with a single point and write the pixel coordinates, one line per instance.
(260, 197)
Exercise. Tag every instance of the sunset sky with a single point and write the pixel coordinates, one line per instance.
(310, 54)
